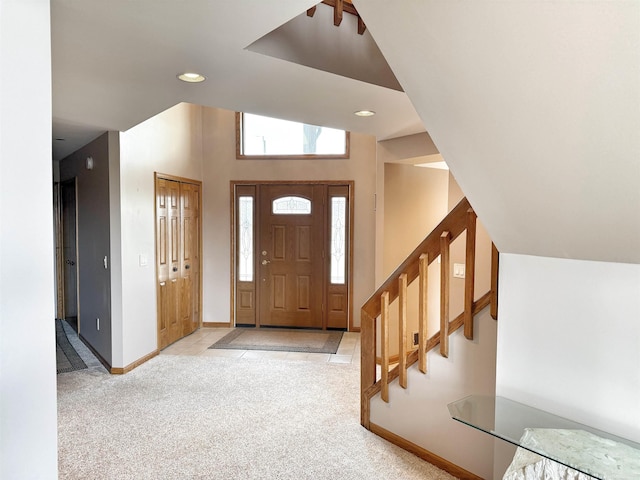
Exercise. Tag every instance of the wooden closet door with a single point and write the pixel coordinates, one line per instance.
(189, 257)
(168, 260)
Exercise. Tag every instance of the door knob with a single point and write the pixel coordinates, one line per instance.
(264, 262)
(175, 269)
(187, 267)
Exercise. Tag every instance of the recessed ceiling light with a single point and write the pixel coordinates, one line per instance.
(191, 77)
(364, 113)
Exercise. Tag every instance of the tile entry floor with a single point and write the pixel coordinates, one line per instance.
(198, 344)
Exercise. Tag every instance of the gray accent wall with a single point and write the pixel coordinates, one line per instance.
(94, 295)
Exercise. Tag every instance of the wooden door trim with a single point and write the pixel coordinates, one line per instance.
(164, 176)
(60, 258)
(351, 327)
(59, 262)
(233, 244)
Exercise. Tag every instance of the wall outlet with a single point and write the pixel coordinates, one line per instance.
(416, 338)
(98, 324)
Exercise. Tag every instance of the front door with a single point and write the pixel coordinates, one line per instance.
(290, 255)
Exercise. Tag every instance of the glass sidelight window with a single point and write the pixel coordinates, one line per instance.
(245, 239)
(338, 239)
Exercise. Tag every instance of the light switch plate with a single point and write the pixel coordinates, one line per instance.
(142, 260)
(458, 270)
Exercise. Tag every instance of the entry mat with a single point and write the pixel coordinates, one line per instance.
(281, 339)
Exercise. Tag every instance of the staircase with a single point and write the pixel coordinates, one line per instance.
(377, 322)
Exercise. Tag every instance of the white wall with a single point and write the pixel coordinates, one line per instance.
(569, 339)
(115, 244)
(169, 143)
(28, 429)
(535, 106)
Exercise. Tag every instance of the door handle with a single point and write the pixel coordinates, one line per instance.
(175, 269)
(264, 262)
(162, 284)
(187, 267)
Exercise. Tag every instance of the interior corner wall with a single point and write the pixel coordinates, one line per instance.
(28, 418)
(415, 201)
(93, 242)
(569, 339)
(115, 243)
(397, 150)
(221, 167)
(169, 143)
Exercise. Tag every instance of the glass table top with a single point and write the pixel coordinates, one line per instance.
(585, 449)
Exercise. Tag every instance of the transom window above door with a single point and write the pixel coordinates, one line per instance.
(266, 137)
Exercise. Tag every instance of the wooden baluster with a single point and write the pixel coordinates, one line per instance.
(445, 242)
(495, 260)
(384, 301)
(470, 273)
(402, 324)
(367, 363)
(422, 313)
(361, 26)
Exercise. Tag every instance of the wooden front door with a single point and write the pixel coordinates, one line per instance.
(289, 254)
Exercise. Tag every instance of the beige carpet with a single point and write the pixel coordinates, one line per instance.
(281, 339)
(183, 417)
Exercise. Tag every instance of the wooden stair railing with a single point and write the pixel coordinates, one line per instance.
(437, 244)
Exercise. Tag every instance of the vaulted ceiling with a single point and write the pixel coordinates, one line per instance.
(535, 105)
(115, 65)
